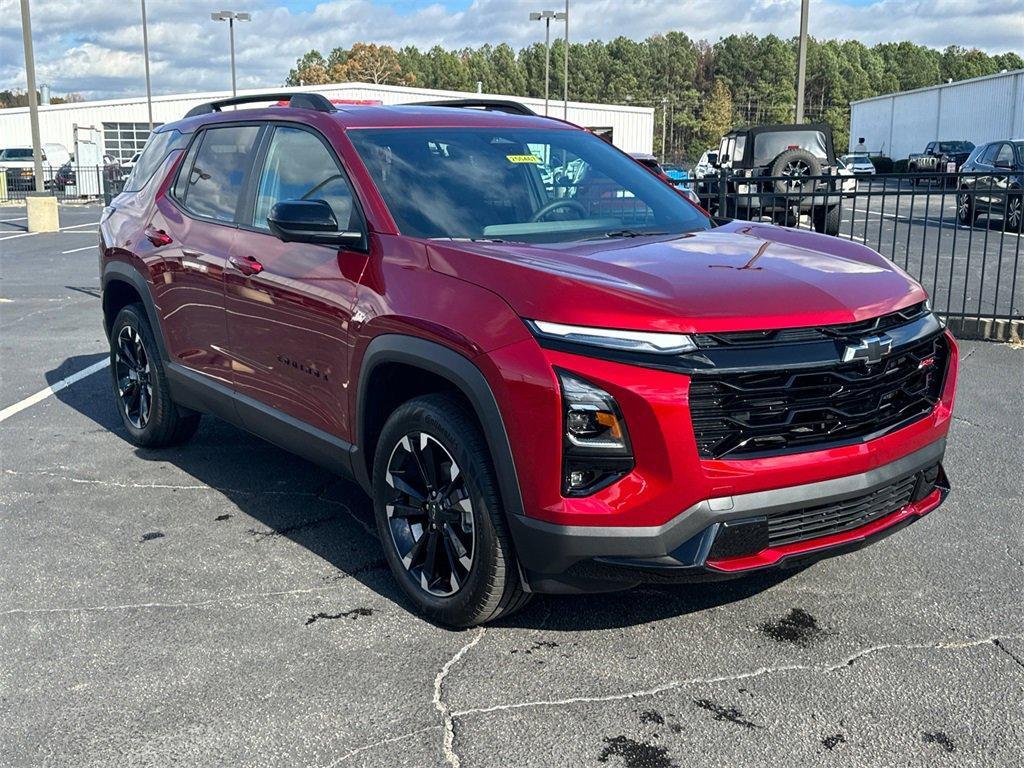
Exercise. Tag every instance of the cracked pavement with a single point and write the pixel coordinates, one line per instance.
(224, 603)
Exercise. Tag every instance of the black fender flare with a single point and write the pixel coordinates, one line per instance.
(463, 374)
(125, 273)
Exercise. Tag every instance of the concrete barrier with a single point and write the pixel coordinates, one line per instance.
(987, 329)
(42, 211)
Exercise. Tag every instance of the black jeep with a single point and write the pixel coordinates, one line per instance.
(780, 172)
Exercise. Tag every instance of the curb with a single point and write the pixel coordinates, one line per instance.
(987, 329)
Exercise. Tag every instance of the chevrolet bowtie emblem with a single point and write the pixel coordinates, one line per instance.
(871, 349)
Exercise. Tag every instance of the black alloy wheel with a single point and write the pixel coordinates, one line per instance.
(133, 377)
(139, 384)
(430, 514)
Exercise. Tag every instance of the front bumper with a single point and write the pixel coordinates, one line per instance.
(723, 536)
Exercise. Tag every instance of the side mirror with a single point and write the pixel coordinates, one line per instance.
(713, 158)
(1003, 164)
(311, 221)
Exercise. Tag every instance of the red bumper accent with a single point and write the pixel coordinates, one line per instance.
(771, 556)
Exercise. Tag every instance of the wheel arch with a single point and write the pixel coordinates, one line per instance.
(123, 285)
(439, 365)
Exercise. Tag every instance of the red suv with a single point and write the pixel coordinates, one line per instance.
(550, 370)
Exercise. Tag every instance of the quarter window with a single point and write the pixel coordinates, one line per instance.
(300, 167)
(210, 186)
(157, 148)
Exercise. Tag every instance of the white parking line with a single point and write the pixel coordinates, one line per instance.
(64, 383)
(76, 250)
(62, 229)
(17, 218)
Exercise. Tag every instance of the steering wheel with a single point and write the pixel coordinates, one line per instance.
(554, 205)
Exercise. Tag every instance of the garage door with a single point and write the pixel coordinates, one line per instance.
(122, 140)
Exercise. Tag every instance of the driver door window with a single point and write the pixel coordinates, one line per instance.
(300, 167)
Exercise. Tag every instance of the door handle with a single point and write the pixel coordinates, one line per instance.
(247, 265)
(157, 236)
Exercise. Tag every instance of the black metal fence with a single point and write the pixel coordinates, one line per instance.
(67, 182)
(959, 234)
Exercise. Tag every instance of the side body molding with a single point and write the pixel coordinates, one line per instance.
(460, 371)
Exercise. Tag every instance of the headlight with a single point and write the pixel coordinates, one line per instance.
(610, 338)
(595, 445)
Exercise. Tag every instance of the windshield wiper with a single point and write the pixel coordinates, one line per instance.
(631, 233)
(471, 239)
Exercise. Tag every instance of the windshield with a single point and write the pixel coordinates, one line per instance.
(16, 154)
(768, 146)
(859, 159)
(955, 146)
(529, 185)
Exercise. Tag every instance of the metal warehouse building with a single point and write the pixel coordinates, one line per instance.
(979, 110)
(124, 123)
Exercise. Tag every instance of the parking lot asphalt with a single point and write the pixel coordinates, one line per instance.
(225, 603)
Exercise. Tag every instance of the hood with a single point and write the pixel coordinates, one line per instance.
(740, 276)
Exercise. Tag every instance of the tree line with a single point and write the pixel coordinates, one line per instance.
(9, 98)
(698, 88)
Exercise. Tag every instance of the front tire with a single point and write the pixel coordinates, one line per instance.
(440, 517)
(140, 387)
(966, 211)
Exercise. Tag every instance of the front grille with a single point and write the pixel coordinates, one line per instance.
(818, 333)
(746, 414)
(829, 519)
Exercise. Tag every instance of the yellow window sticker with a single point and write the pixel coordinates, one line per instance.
(522, 158)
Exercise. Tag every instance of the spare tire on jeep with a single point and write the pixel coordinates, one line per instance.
(790, 167)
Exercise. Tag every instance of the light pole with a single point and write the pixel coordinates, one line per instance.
(801, 71)
(546, 17)
(231, 17)
(664, 125)
(565, 67)
(145, 54)
(33, 101)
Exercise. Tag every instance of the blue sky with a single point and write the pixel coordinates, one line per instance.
(94, 46)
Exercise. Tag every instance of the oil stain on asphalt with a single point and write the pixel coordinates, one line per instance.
(635, 754)
(938, 737)
(151, 536)
(831, 742)
(726, 714)
(354, 614)
(797, 627)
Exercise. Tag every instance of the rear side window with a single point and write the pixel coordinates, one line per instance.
(210, 184)
(157, 148)
(1005, 155)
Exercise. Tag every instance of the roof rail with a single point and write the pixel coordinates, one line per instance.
(295, 100)
(488, 105)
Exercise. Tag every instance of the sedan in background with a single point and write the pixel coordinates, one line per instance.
(859, 165)
(993, 183)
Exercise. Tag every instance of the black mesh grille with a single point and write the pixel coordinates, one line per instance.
(820, 333)
(779, 411)
(829, 519)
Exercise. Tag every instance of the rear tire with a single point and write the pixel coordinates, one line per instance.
(1013, 219)
(435, 491)
(140, 386)
(826, 220)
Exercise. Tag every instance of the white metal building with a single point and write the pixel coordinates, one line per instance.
(125, 124)
(979, 110)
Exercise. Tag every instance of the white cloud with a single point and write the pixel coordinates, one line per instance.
(94, 46)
